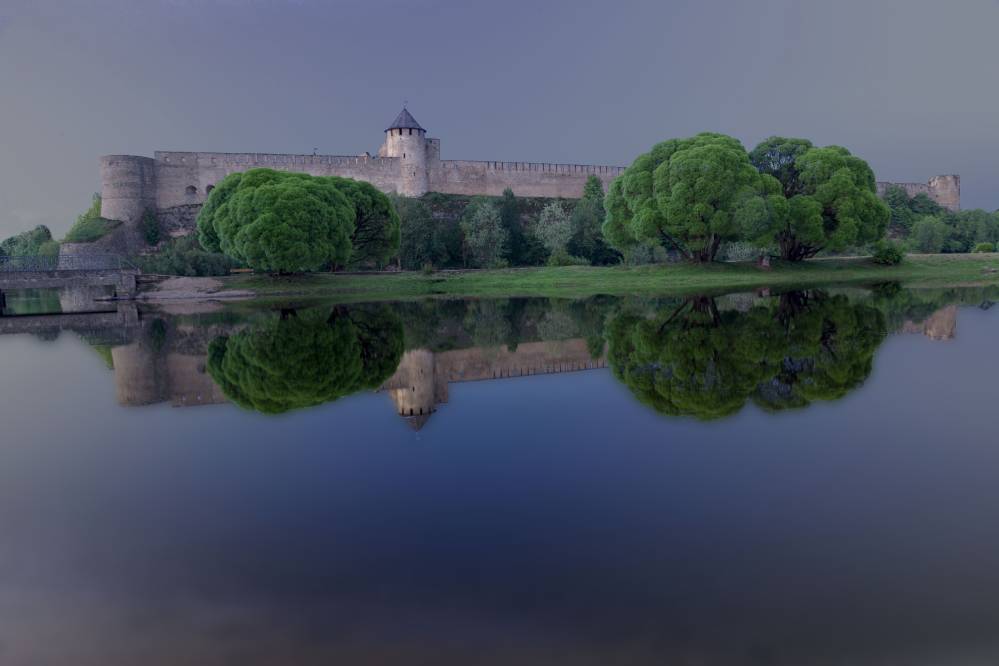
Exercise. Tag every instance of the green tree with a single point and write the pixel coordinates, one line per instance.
(307, 358)
(33, 243)
(692, 195)
(485, 237)
(376, 234)
(970, 227)
(278, 221)
(587, 218)
(831, 196)
(922, 204)
(778, 157)
(422, 243)
(929, 235)
(553, 227)
(902, 216)
(517, 243)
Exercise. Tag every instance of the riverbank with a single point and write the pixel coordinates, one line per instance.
(577, 281)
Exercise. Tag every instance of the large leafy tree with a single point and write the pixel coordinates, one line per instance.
(692, 195)
(831, 197)
(279, 221)
(307, 358)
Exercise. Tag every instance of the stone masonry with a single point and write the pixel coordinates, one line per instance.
(175, 184)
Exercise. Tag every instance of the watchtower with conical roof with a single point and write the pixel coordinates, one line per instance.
(406, 140)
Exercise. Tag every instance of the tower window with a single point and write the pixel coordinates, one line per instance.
(191, 189)
(208, 190)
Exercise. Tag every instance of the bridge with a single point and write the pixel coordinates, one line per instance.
(116, 326)
(67, 271)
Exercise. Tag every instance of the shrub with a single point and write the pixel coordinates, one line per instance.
(89, 225)
(90, 229)
(49, 248)
(887, 253)
(563, 258)
(428, 268)
(985, 247)
(185, 256)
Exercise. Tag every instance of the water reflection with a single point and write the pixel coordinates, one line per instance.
(704, 357)
(554, 517)
(303, 359)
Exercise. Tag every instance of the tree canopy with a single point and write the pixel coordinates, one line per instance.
(376, 223)
(691, 195)
(306, 358)
(831, 196)
(32, 243)
(288, 222)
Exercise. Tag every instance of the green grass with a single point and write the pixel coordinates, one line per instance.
(87, 230)
(574, 281)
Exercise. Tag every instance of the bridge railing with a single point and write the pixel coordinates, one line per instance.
(67, 262)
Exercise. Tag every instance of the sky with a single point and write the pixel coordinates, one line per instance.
(910, 85)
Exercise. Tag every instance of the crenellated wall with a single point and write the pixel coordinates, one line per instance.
(527, 179)
(175, 184)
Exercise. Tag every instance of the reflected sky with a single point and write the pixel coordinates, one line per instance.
(532, 519)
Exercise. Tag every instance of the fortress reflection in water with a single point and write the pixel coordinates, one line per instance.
(158, 358)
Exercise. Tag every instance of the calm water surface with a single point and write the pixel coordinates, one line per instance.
(797, 478)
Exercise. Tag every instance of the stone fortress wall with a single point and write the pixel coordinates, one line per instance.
(945, 190)
(174, 185)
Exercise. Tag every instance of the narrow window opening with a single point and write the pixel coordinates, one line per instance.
(191, 189)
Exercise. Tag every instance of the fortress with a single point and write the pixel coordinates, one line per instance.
(174, 185)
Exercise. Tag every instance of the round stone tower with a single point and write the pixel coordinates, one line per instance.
(406, 140)
(128, 187)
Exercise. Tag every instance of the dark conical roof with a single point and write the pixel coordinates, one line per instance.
(404, 120)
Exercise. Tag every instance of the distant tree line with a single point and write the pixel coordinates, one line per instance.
(494, 232)
(927, 227)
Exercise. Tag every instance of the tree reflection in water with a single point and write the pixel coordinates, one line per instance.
(694, 358)
(304, 358)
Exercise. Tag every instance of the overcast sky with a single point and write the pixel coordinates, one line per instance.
(910, 85)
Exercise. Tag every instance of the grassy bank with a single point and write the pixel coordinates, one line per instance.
(924, 270)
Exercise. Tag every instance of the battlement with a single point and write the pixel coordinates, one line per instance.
(537, 167)
(175, 184)
(256, 160)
